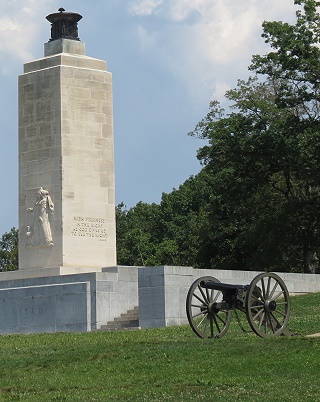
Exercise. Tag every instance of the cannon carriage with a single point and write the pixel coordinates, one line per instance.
(265, 302)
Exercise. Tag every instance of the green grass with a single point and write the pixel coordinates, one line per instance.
(167, 364)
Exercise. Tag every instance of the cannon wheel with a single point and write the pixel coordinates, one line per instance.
(204, 319)
(268, 305)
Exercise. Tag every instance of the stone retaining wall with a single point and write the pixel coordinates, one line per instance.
(163, 290)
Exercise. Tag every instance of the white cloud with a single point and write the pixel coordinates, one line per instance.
(182, 9)
(12, 39)
(146, 39)
(7, 24)
(19, 27)
(207, 39)
(144, 7)
(176, 10)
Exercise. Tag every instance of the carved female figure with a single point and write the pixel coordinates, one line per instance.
(42, 211)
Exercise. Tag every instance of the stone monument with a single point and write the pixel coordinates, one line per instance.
(67, 278)
(66, 157)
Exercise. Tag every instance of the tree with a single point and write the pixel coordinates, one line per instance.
(264, 157)
(164, 234)
(137, 234)
(255, 205)
(9, 251)
(182, 213)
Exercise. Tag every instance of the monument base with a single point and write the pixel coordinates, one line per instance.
(71, 300)
(41, 272)
(65, 301)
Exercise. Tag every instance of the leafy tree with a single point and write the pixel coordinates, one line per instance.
(9, 251)
(137, 234)
(164, 234)
(264, 156)
(256, 202)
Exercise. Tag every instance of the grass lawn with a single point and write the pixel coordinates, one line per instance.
(167, 364)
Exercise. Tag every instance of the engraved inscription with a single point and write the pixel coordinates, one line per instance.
(30, 311)
(89, 227)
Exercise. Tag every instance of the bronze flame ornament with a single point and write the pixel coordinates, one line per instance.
(64, 25)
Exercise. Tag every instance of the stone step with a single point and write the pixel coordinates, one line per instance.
(128, 320)
(130, 314)
(116, 326)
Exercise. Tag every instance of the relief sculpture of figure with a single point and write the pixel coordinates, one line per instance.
(39, 231)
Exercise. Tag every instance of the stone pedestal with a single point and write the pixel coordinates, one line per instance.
(66, 161)
(67, 231)
(74, 303)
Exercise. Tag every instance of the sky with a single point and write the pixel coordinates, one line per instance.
(168, 58)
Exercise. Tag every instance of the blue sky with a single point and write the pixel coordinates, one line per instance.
(168, 58)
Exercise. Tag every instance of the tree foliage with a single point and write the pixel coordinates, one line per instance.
(167, 233)
(267, 150)
(256, 202)
(9, 251)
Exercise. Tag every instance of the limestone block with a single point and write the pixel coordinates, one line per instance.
(172, 302)
(42, 308)
(151, 307)
(64, 46)
(180, 271)
(79, 62)
(144, 280)
(128, 274)
(171, 322)
(104, 311)
(106, 286)
(157, 280)
(82, 63)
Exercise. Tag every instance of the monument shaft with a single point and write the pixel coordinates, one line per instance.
(66, 160)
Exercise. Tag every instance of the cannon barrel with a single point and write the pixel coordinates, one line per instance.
(220, 286)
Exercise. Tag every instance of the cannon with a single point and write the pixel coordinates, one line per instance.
(265, 301)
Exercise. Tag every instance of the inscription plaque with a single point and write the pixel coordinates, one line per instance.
(89, 227)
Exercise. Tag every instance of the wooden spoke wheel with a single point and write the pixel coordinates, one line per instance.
(268, 305)
(205, 317)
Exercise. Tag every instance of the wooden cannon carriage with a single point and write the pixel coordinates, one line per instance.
(265, 302)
